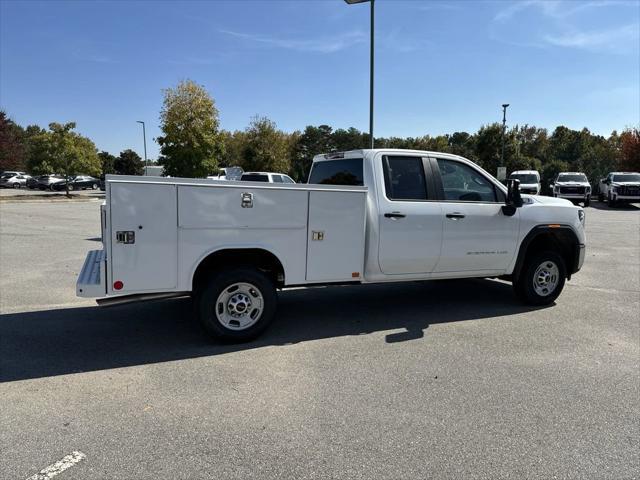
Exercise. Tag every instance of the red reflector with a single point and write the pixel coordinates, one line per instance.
(117, 285)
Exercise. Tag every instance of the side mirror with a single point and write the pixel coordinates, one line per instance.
(514, 199)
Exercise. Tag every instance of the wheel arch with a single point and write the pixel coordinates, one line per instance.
(256, 257)
(559, 238)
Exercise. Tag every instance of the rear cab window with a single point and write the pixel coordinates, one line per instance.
(255, 177)
(346, 171)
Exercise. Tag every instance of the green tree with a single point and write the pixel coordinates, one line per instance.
(68, 153)
(13, 150)
(266, 148)
(313, 141)
(128, 163)
(191, 144)
(234, 144)
(108, 162)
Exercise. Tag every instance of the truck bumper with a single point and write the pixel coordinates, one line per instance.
(625, 198)
(573, 196)
(92, 280)
(580, 252)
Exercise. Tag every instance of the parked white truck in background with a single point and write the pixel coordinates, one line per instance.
(620, 187)
(574, 186)
(366, 216)
(529, 181)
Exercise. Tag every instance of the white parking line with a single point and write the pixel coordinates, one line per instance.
(60, 466)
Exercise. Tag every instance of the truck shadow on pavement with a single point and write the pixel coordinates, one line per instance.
(58, 342)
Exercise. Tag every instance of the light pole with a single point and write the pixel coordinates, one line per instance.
(351, 2)
(144, 138)
(504, 124)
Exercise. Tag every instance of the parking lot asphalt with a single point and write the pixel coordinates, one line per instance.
(447, 379)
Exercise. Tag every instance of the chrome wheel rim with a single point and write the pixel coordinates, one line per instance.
(239, 306)
(546, 278)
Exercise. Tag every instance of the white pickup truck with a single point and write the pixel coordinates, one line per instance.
(620, 187)
(365, 216)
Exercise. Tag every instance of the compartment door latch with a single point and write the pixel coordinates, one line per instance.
(126, 237)
(246, 200)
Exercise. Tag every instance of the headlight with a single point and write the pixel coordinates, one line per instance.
(581, 216)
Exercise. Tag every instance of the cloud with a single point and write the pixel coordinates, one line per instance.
(564, 26)
(557, 9)
(607, 39)
(330, 44)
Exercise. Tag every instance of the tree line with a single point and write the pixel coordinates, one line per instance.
(192, 144)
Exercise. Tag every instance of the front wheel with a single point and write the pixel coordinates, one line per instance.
(542, 279)
(236, 305)
(94, 186)
(611, 201)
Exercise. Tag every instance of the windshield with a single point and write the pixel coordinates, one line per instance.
(347, 171)
(627, 177)
(524, 177)
(572, 177)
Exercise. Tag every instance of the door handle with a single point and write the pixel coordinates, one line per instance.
(455, 215)
(394, 215)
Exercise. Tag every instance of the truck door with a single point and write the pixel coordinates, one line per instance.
(477, 236)
(410, 221)
(143, 236)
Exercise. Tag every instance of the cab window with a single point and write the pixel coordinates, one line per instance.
(461, 182)
(347, 171)
(404, 178)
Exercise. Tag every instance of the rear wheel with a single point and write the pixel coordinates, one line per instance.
(70, 187)
(542, 279)
(16, 185)
(236, 305)
(94, 186)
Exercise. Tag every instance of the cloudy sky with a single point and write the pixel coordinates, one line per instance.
(440, 66)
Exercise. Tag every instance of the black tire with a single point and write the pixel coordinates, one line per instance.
(524, 285)
(207, 305)
(16, 185)
(600, 197)
(94, 186)
(587, 201)
(71, 187)
(612, 203)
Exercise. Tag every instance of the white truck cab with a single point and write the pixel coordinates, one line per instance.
(620, 187)
(366, 216)
(529, 181)
(574, 186)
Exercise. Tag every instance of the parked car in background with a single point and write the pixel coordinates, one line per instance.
(12, 172)
(529, 181)
(13, 180)
(79, 182)
(45, 182)
(573, 186)
(620, 187)
(266, 177)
